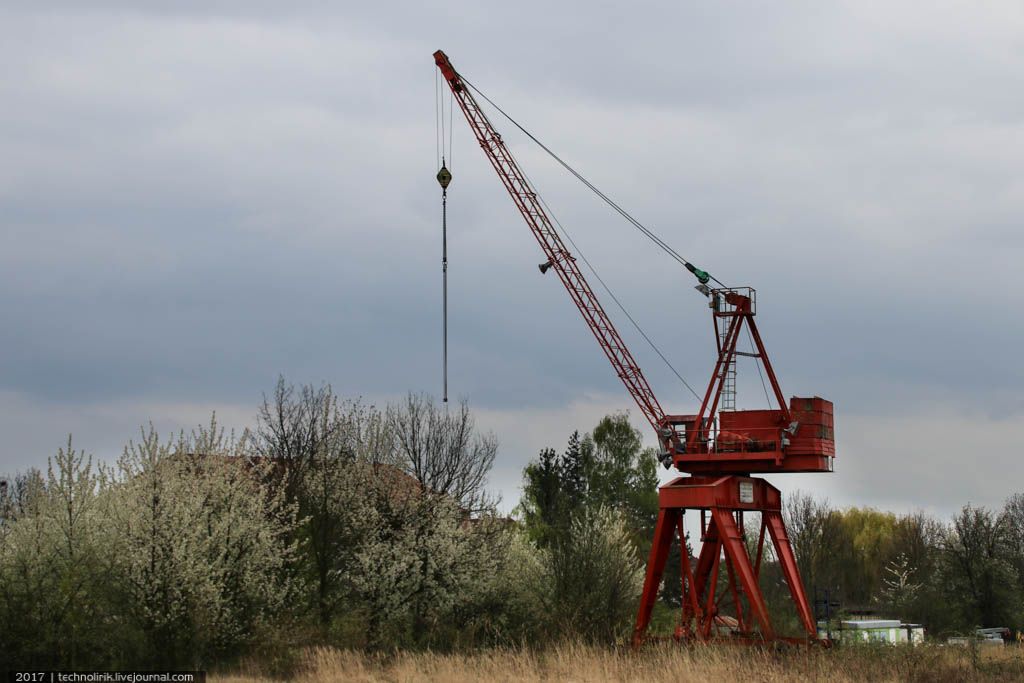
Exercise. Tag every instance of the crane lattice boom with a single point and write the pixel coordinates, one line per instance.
(559, 258)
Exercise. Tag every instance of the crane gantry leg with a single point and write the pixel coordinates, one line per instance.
(723, 541)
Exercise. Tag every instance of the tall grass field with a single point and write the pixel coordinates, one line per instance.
(654, 664)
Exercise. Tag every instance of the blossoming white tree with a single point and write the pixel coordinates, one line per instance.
(202, 544)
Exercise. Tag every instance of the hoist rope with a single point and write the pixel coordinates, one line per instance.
(441, 162)
(444, 136)
(444, 292)
(608, 289)
(757, 362)
(437, 117)
(608, 200)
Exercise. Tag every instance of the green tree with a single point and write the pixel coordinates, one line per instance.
(1013, 518)
(426, 572)
(576, 466)
(898, 590)
(608, 468)
(311, 437)
(202, 546)
(978, 572)
(543, 504)
(918, 537)
(427, 566)
(595, 577)
(624, 475)
(54, 568)
(807, 524)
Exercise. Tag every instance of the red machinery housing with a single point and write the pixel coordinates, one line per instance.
(719, 447)
(797, 437)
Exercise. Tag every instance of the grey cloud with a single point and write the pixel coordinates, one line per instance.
(195, 197)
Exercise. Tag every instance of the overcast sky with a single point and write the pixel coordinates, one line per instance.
(196, 197)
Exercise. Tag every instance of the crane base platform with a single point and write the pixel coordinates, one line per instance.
(736, 609)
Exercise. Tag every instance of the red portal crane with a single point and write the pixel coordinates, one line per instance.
(718, 447)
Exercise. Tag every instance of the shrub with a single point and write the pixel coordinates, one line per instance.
(595, 577)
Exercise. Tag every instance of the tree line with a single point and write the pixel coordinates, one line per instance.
(335, 522)
(952, 576)
(330, 522)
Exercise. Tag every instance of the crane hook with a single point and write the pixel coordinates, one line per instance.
(444, 177)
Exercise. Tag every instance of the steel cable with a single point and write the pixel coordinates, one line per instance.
(608, 289)
(608, 200)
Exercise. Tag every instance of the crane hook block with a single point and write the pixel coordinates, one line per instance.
(702, 276)
(444, 177)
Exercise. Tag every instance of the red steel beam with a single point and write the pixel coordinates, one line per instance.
(562, 262)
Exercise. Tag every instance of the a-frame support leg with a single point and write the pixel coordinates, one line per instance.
(737, 597)
(706, 579)
(740, 561)
(663, 531)
(718, 500)
(784, 551)
(690, 607)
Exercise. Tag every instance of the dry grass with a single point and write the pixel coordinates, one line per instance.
(656, 664)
